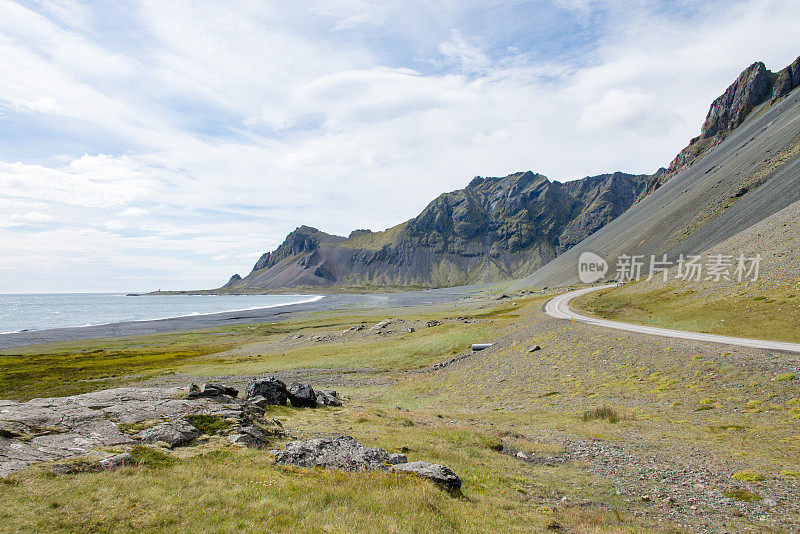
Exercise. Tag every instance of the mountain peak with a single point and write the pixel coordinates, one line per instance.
(754, 87)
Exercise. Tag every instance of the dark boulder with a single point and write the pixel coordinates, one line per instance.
(214, 390)
(273, 390)
(302, 396)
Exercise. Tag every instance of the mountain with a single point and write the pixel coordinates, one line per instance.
(742, 168)
(493, 229)
(750, 174)
(755, 89)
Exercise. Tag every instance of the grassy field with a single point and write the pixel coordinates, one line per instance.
(584, 386)
(773, 314)
(78, 367)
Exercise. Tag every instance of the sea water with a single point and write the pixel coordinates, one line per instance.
(65, 310)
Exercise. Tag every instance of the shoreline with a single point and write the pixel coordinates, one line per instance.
(218, 319)
(311, 298)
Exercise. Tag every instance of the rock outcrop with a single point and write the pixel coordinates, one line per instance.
(272, 390)
(341, 452)
(755, 86)
(438, 473)
(62, 428)
(503, 227)
(345, 452)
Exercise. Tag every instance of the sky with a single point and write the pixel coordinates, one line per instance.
(167, 144)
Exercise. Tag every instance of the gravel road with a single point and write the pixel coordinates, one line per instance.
(559, 308)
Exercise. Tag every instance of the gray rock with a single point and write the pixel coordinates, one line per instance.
(342, 452)
(437, 473)
(173, 433)
(432, 323)
(328, 398)
(63, 428)
(302, 396)
(118, 460)
(381, 325)
(397, 458)
(259, 402)
(272, 389)
(194, 391)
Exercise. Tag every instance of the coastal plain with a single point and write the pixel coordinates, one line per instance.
(594, 431)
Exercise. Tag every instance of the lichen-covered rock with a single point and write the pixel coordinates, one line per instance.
(397, 458)
(270, 388)
(173, 433)
(438, 473)
(82, 426)
(342, 452)
(13, 429)
(302, 396)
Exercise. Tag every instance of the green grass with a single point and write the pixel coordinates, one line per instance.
(748, 476)
(459, 416)
(738, 494)
(79, 367)
(150, 457)
(209, 424)
(424, 347)
(82, 366)
(243, 490)
(602, 413)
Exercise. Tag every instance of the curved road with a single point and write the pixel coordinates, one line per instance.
(558, 307)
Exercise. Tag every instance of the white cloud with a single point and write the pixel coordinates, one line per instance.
(42, 104)
(470, 57)
(631, 111)
(100, 181)
(134, 212)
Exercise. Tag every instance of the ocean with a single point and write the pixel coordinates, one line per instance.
(66, 310)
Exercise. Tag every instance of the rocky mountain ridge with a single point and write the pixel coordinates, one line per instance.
(494, 228)
(755, 86)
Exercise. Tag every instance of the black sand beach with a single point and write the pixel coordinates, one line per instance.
(174, 324)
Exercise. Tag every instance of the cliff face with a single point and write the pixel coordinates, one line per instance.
(495, 228)
(755, 86)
